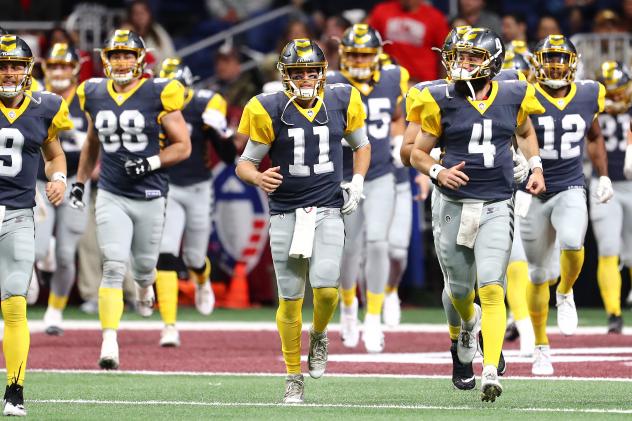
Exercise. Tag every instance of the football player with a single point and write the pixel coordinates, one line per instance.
(61, 70)
(612, 221)
(302, 128)
(382, 89)
(126, 114)
(189, 201)
(471, 119)
(571, 116)
(30, 124)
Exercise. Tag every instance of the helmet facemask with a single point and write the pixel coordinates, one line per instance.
(470, 63)
(555, 68)
(123, 78)
(24, 83)
(56, 74)
(360, 63)
(293, 85)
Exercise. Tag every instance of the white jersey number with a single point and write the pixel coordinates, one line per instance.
(11, 142)
(379, 119)
(299, 169)
(609, 125)
(574, 128)
(132, 122)
(481, 142)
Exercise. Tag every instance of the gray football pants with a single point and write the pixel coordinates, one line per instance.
(188, 214)
(125, 224)
(17, 252)
(401, 224)
(612, 221)
(564, 216)
(68, 225)
(372, 219)
(322, 269)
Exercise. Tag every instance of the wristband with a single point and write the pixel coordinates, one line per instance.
(535, 162)
(435, 170)
(154, 162)
(59, 176)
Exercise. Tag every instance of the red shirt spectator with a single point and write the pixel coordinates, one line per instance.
(413, 28)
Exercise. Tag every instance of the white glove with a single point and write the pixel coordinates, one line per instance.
(604, 189)
(216, 120)
(354, 192)
(396, 146)
(521, 167)
(627, 166)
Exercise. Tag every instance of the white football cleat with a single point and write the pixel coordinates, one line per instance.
(169, 337)
(204, 298)
(109, 359)
(349, 329)
(490, 386)
(145, 300)
(467, 344)
(53, 319)
(392, 311)
(14, 401)
(318, 354)
(527, 337)
(372, 335)
(294, 388)
(542, 361)
(566, 313)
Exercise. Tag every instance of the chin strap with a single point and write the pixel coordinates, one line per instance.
(469, 85)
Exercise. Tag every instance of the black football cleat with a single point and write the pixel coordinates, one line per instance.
(462, 374)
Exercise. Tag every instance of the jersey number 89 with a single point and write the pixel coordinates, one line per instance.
(131, 122)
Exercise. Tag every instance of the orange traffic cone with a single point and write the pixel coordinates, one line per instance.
(237, 296)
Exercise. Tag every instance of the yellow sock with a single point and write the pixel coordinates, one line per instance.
(455, 331)
(464, 306)
(289, 322)
(571, 262)
(538, 302)
(17, 339)
(110, 307)
(348, 295)
(493, 322)
(517, 280)
(56, 302)
(374, 303)
(390, 289)
(325, 301)
(609, 280)
(202, 277)
(167, 294)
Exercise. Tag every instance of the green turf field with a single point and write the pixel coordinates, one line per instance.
(112, 396)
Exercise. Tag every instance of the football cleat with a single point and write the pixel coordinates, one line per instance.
(109, 359)
(502, 365)
(52, 322)
(318, 353)
(462, 374)
(468, 339)
(169, 337)
(392, 311)
(511, 332)
(349, 330)
(566, 313)
(372, 336)
(145, 301)
(542, 361)
(204, 298)
(527, 336)
(294, 388)
(615, 324)
(490, 386)
(14, 401)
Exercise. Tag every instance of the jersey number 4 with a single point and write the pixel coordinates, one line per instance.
(132, 122)
(298, 168)
(481, 142)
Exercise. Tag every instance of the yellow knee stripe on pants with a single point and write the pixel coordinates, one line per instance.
(17, 340)
(538, 296)
(455, 331)
(167, 295)
(609, 280)
(374, 303)
(493, 322)
(571, 262)
(57, 302)
(325, 301)
(289, 321)
(110, 307)
(348, 295)
(464, 306)
(517, 280)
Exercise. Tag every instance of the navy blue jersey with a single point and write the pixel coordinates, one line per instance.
(479, 133)
(380, 98)
(23, 131)
(306, 144)
(614, 129)
(561, 131)
(128, 126)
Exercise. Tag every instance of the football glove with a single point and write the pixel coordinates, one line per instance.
(76, 195)
(521, 168)
(137, 167)
(604, 189)
(354, 193)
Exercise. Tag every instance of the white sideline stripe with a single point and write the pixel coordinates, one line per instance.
(38, 326)
(324, 405)
(334, 375)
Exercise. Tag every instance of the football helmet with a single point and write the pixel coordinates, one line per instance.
(447, 51)
(174, 68)
(302, 54)
(16, 50)
(60, 53)
(486, 46)
(519, 62)
(617, 79)
(360, 39)
(555, 59)
(124, 40)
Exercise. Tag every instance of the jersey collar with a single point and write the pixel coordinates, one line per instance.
(120, 98)
(12, 114)
(309, 113)
(483, 105)
(560, 103)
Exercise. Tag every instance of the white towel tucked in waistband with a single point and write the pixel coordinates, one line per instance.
(304, 229)
(522, 203)
(470, 219)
